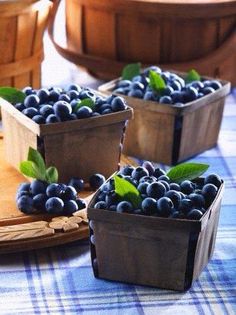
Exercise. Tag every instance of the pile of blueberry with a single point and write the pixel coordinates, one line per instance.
(57, 198)
(177, 92)
(53, 105)
(160, 197)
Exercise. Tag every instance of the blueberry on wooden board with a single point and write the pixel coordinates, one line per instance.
(96, 180)
(70, 206)
(54, 205)
(77, 183)
(38, 187)
(25, 204)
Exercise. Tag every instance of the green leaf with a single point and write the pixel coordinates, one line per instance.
(131, 71)
(12, 95)
(126, 191)
(85, 102)
(156, 82)
(30, 169)
(36, 157)
(52, 175)
(186, 171)
(192, 75)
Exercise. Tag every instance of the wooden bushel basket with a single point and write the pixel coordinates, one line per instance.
(22, 25)
(170, 134)
(77, 148)
(104, 35)
(154, 251)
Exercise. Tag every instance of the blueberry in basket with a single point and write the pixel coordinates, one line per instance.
(165, 87)
(178, 193)
(52, 105)
(44, 194)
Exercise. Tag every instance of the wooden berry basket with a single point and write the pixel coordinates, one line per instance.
(161, 252)
(76, 148)
(176, 34)
(170, 134)
(22, 25)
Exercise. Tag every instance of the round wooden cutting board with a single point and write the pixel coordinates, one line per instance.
(20, 232)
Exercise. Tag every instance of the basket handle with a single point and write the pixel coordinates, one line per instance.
(203, 64)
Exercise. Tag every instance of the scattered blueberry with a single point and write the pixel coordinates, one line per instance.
(96, 180)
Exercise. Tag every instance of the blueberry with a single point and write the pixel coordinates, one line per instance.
(39, 202)
(139, 172)
(64, 97)
(131, 180)
(165, 183)
(111, 198)
(153, 68)
(197, 200)
(149, 167)
(96, 180)
(209, 191)
(112, 207)
(149, 206)
(177, 97)
(81, 204)
(46, 110)
(84, 112)
(74, 87)
(86, 94)
(175, 215)
(43, 95)
(39, 119)
(124, 83)
(185, 205)
(30, 112)
(54, 96)
(147, 179)
(23, 187)
(167, 91)
(213, 179)
(72, 117)
(106, 111)
(194, 214)
(28, 90)
(22, 193)
(197, 85)
(165, 206)
(149, 96)
(73, 95)
(124, 206)
(187, 187)
(118, 104)
(174, 196)
(101, 196)
(176, 85)
(165, 100)
(120, 91)
(215, 84)
(62, 110)
(25, 204)
(51, 119)
(156, 190)
(158, 172)
(77, 183)
(165, 178)
(70, 206)
(20, 106)
(54, 190)
(101, 205)
(136, 93)
(207, 90)
(69, 193)
(127, 170)
(54, 205)
(137, 86)
(31, 101)
(95, 114)
(174, 186)
(190, 94)
(142, 187)
(38, 187)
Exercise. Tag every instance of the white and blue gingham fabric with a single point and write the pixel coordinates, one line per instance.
(60, 280)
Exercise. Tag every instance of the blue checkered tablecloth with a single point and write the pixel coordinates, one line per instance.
(60, 280)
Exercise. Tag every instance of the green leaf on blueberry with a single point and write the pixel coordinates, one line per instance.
(127, 191)
(35, 167)
(131, 70)
(51, 175)
(12, 95)
(186, 171)
(192, 75)
(156, 82)
(85, 102)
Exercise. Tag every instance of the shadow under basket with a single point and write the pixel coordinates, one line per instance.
(153, 251)
(170, 134)
(76, 148)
